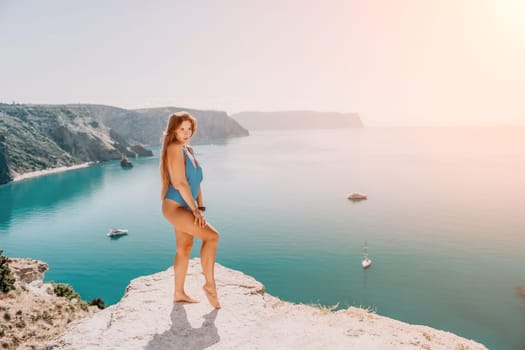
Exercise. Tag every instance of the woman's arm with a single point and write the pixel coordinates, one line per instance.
(199, 198)
(177, 172)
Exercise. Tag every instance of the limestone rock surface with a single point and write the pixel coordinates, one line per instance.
(147, 318)
(31, 314)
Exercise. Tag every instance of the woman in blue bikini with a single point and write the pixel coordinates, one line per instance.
(182, 205)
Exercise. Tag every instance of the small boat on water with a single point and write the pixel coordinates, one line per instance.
(366, 261)
(116, 232)
(356, 196)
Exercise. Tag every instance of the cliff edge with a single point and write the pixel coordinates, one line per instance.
(146, 318)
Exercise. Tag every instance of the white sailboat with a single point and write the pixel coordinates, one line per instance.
(366, 261)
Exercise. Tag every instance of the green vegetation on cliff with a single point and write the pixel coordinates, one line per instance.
(38, 137)
(24, 143)
(6, 283)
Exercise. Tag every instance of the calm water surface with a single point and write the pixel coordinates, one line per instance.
(444, 222)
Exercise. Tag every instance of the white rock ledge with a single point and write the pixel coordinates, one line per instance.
(146, 318)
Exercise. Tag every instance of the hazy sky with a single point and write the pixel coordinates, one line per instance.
(396, 62)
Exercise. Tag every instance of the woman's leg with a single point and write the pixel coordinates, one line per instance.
(208, 253)
(183, 221)
(180, 266)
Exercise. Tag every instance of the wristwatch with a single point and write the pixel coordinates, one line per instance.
(202, 208)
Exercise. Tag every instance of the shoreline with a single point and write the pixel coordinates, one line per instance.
(37, 173)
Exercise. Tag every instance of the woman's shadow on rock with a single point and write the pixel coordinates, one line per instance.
(182, 335)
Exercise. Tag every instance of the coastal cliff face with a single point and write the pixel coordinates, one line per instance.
(5, 175)
(211, 125)
(32, 313)
(146, 125)
(146, 318)
(39, 137)
(297, 120)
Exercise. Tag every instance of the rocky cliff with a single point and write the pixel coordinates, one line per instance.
(146, 125)
(146, 318)
(33, 313)
(297, 120)
(39, 137)
(211, 125)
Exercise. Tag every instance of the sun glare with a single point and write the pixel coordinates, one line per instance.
(510, 14)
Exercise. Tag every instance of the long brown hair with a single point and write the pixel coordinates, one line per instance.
(169, 137)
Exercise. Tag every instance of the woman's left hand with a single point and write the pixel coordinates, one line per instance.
(199, 218)
(203, 221)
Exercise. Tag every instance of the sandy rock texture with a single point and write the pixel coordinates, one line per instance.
(32, 314)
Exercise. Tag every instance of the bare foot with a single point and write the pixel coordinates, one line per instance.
(183, 297)
(211, 294)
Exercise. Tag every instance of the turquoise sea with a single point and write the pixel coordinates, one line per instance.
(444, 222)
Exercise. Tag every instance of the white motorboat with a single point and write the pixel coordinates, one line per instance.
(356, 196)
(366, 261)
(116, 232)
